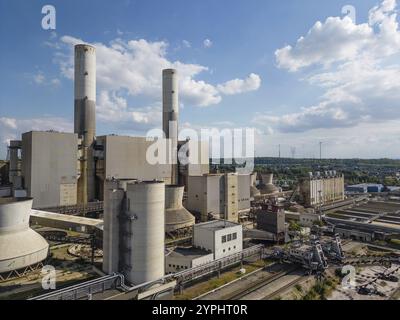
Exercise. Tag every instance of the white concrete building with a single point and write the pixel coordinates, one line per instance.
(222, 238)
(181, 259)
(49, 167)
(321, 189)
(222, 196)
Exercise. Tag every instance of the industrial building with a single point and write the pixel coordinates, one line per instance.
(20, 246)
(183, 258)
(49, 167)
(365, 188)
(222, 238)
(124, 158)
(367, 221)
(322, 189)
(212, 240)
(219, 196)
(271, 218)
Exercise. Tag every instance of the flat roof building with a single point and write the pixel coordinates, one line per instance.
(222, 238)
(182, 258)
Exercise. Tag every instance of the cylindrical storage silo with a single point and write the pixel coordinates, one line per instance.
(113, 206)
(144, 242)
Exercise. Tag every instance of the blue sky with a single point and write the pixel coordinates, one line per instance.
(236, 68)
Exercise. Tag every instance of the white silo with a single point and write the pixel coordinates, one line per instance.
(176, 216)
(144, 232)
(113, 207)
(20, 246)
(171, 116)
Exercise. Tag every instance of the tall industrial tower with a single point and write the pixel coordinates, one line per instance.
(171, 116)
(85, 117)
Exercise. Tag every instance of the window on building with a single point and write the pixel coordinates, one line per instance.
(223, 239)
(223, 251)
(234, 236)
(234, 247)
(229, 237)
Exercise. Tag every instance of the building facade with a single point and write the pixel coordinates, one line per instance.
(321, 189)
(222, 238)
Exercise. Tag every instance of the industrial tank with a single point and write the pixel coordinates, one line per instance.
(144, 232)
(20, 246)
(176, 216)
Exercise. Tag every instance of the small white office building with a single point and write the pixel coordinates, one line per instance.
(222, 238)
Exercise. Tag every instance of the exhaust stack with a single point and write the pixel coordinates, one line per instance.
(85, 117)
(171, 116)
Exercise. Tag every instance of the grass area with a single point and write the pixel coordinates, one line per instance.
(215, 282)
(322, 289)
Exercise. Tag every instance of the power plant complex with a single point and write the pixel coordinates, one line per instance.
(152, 230)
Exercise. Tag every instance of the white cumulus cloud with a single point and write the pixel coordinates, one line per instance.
(251, 83)
(207, 43)
(355, 65)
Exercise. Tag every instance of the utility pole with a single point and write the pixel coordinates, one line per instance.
(320, 151)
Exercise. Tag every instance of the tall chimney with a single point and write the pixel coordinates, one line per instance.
(171, 116)
(85, 117)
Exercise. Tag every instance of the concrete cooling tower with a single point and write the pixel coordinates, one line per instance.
(266, 186)
(254, 192)
(20, 246)
(176, 216)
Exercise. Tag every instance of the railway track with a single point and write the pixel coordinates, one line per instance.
(238, 294)
(283, 289)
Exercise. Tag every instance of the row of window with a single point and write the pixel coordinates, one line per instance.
(229, 237)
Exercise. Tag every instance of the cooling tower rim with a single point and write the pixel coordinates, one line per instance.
(173, 186)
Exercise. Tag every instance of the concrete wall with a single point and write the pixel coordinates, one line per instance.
(324, 190)
(175, 264)
(223, 249)
(125, 158)
(203, 238)
(49, 167)
(244, 183)
(208, 194)
(273, 222)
